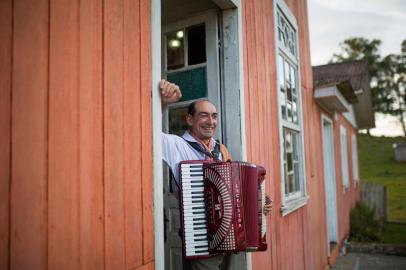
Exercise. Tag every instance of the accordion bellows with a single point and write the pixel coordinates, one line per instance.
(221, 207)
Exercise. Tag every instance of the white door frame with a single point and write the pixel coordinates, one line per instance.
(233, 100)
(330, 186)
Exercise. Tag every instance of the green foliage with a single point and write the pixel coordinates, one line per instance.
(388, 74)
(364, 227)
(377, 165)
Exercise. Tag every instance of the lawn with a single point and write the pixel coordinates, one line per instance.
(394, 233)
(377, 165)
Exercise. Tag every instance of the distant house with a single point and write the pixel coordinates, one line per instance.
(342, 91)
(82, 183)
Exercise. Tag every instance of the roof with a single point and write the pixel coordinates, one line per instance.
(349, 77)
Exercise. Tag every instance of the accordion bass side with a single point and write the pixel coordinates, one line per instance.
(221, 205)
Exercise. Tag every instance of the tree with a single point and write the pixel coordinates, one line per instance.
(392, 78)
(387, 74)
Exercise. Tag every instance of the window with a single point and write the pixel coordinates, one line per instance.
(293, 169)
(354, 149)
(344, 157)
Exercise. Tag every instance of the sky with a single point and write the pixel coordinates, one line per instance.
(333, 21)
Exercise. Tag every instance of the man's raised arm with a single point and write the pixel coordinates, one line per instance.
(170, 93)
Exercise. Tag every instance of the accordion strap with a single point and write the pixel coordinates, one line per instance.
(215, 154)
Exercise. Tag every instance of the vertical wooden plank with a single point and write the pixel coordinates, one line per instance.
(6, 17)
(146, 103)
(132, 135)
(91, 136)
(113, 136)
(28, 245)
(261, 85)
(245, 39)
(254, 115)
(64, 175)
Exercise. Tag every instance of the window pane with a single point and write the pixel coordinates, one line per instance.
(288, 92)
(177, 123)
(193, 83)
(293, 80)
(287, 71)
(288, 34)
(289, 111)
(175, 50)
(296, 171)
(291, 183)
(196, 37)
(280, 73)
(291, 166)
(286, 182)
(283, 106)
(295, 147)
(294, 111)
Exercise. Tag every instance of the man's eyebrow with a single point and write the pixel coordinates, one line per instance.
(200, 113)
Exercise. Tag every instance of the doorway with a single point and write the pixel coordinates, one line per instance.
(193, 56)
(330, 183)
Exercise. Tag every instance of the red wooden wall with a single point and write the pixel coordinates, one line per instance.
(75, 135)
(298, 240)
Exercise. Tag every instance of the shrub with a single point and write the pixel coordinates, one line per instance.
(364, 226)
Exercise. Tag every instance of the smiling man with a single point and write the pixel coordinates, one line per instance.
(197, 143)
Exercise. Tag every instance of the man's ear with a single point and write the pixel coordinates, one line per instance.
(189, 120)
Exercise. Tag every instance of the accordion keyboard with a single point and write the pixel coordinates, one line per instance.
(195, 228)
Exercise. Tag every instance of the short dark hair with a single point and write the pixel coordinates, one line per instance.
(192, 106)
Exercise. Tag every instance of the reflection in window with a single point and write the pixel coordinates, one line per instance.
(286, 34)
(291, 161)
(175, 49)
(289, 104)
(287, 82)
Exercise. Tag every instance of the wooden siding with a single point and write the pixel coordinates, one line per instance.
(298, 240)
(74, 123)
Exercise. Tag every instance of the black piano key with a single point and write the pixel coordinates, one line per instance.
(203, 246)
(200, 251)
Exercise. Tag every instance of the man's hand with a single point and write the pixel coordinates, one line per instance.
(268, 205)
(170, 92)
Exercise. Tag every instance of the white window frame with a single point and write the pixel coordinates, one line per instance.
(293, 201)
(345, 176)
(355, 165)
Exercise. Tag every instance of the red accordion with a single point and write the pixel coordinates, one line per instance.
(221, 207)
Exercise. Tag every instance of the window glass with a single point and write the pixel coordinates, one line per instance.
(289, 103)
(175, 49)
(177, 123)
(196, 36)
(291, 164)
(286, 34)
(192, 82)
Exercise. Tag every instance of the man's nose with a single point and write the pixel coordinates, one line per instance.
(212, 119)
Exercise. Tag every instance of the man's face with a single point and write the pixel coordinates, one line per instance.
(204, 122)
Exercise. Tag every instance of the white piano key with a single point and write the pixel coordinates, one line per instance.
(198, 232)
(190, 254)
(189, 165)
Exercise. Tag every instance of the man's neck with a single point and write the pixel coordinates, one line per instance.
(204, 141)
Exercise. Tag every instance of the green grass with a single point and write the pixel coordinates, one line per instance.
(394, 233)
(377, 165)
